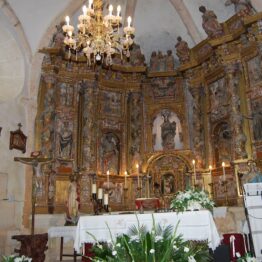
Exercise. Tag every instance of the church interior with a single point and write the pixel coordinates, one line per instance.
(174, 104)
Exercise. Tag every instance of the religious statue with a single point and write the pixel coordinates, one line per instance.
(210, 24)
(168, 132)
(110, 154)
(73, 201)
(58, 37)
(161, 62)
(182, 50)
(154, 62)
(257, 120)
(66, 141)
(253, 176)
(170, 61)
(242, 7)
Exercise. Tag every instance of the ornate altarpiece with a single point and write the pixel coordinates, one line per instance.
(110, 119)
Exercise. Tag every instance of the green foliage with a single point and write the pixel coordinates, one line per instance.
(14, 258)
(246, 258)
(161, 244)
(191, 199)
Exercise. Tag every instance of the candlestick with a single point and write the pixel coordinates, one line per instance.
(194, 168)
(125, 185)
(138, 183)
(107, 173)
(105, 199)
(93, 188)
(210, 170)
(224, 172)
(100, 193)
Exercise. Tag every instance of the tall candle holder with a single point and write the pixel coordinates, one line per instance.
(97, 200)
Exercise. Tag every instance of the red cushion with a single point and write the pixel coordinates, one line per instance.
(88, 247)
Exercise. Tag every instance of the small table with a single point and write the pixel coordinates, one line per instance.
(65, 233)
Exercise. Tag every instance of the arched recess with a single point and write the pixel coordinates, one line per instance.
(168, 172)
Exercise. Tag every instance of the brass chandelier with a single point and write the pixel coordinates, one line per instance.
(99, 37)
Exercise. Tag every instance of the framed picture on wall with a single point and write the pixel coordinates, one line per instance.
(18, 139)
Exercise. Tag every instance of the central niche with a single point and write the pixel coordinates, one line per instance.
(167, 132)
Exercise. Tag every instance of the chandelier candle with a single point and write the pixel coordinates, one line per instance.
(98, 37)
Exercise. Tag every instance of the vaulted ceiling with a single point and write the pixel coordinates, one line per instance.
(158, 22)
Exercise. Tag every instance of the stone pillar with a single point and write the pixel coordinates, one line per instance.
(239, 138)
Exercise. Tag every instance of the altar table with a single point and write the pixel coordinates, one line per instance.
(195, 225)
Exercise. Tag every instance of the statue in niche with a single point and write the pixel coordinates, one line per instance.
(168, 131)
(223, 143)
(182, 50)
(168, 183)
(136, 56)
(254, 70)
(154, 62)
(242, 7)
(65, 141)
(170, 61)
(110, 154)
(210, 24)
(257, 119)
(253, 175)
(73, 201)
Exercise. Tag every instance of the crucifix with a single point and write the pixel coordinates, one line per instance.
(36, 161)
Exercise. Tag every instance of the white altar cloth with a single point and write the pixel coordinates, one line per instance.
(67, 232)
(196, 225)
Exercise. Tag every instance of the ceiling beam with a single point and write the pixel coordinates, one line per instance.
(187, 20)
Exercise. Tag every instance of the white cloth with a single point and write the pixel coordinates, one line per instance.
(196, 225)
(219, 212)
(67, 232)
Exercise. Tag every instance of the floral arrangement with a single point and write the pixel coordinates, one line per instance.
(246, 258)
(191, 199)
(15, 258)
(158, 245)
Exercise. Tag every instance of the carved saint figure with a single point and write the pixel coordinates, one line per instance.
(210, 24)
(73, 201)
(153, 62)
(110, 153)
(257, 120)
(170, 61)
(161, 62)
(168, 131)
(242, 7)
(182, 50)
(66, 141)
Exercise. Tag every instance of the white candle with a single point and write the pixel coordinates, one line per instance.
(137, 166)
(224, 172)
(125, 185)
(100, 193)
(93, 188)
(105, 199)
(210, 170)
(194, 168)
(107, 173)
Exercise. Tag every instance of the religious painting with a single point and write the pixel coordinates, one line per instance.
(115, 191)
(110, 153)
(110, 103)
(218, 99)
(164, 87)
(18, 140)
(256, 118)
(167, 132)
(254, 66)
(66, 95)
(168, 184)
